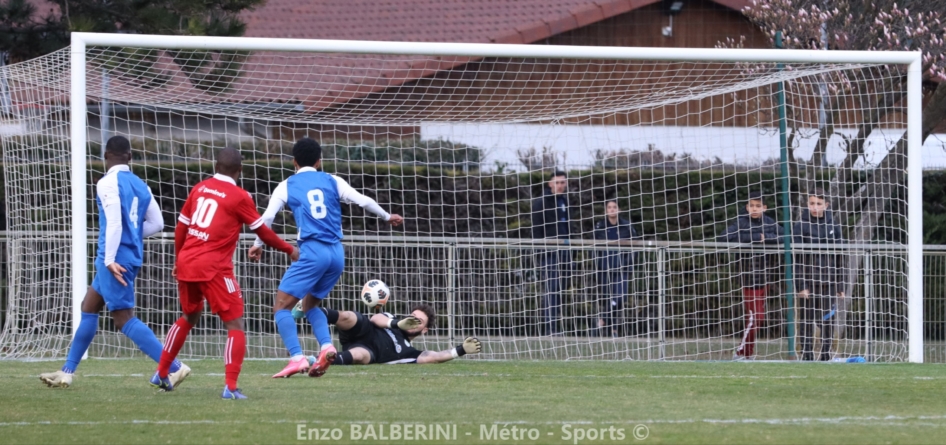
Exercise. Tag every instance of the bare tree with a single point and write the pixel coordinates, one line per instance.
(533, 160)
(878, 91)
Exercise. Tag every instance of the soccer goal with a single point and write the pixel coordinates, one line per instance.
(713, 203)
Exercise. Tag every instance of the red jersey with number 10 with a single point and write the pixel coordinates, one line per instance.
(214, 212)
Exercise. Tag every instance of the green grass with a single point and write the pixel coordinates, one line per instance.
(111, 402)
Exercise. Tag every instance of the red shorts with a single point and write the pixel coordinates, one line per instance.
(222, 292)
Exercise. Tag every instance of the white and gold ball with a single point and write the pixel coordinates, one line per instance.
(375, 293)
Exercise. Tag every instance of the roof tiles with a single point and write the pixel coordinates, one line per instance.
(323, 80)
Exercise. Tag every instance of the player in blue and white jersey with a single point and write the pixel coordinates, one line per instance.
(315, 199)
(128, 213)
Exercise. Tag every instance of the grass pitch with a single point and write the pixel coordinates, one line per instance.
(484, 402)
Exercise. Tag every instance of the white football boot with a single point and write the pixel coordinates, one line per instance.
(58, 379)
(177, 377)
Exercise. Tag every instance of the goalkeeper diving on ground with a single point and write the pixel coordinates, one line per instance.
(383, 338)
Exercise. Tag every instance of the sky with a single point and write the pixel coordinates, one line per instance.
(575, 145)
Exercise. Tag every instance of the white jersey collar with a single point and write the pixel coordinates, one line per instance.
(224, 178)
(118, 168)
(306, 169)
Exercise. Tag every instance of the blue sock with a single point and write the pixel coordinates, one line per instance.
(287, 330)
(142, 336)
(319, 326)
(84, 335)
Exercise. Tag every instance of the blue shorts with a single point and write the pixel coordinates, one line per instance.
(319, 267)
(116, 296)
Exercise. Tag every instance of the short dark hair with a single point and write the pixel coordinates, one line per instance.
(118, 145)
(229, 161)
(558, 173)
(818, 192)
(429, 311)
(755, 195)
(307, 152)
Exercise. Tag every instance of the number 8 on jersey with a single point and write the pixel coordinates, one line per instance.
(317, 203)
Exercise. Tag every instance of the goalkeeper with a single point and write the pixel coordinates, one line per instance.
(383, 338)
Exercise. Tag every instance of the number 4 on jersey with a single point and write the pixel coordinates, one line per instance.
(133, 214)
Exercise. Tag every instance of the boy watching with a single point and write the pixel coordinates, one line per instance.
(753, 227)
(819, 274)
(614, 268)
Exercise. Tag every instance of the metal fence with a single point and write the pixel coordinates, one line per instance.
(683, 301)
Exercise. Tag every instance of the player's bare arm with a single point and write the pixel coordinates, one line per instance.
(270, 238)
(277, 201)
(255, 253)
(470, 345)
(405, 324)
(273, 240)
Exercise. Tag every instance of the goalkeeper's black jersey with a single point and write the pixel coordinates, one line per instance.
(393, 347)
(385, 345)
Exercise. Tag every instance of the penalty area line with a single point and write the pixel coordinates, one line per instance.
(551, 376)
(893, 421)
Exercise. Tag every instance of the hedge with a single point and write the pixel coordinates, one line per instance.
(664, 205)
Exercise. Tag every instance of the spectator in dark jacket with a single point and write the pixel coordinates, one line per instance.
(819, 274)
(754, 228)
(614, 267)
(551, 219)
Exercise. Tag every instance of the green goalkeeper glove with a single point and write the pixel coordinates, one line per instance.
(405, 324)
(471, 345)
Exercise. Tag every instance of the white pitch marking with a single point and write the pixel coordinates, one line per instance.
(553, 376)
(907, 421)
(592, 376)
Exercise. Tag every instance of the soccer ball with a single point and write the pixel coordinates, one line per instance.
(375, 293)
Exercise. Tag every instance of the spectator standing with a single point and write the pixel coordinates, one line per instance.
(754, 228)
(819, 275)
(551, 219)
(614, 268)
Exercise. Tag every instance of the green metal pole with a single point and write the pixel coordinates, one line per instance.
(786, 205)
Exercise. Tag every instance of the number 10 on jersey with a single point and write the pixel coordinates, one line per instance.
(206, 208)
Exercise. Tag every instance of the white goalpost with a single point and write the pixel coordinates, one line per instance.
(463, 139)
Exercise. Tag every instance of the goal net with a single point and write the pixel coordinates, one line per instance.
(708, 209)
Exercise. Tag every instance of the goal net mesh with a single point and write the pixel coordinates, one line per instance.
(465, 149)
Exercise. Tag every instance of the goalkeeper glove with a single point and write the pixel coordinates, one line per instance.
(405, 324)
(471, 345)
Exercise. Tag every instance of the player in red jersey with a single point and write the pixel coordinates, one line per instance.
(204, 241)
